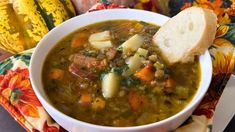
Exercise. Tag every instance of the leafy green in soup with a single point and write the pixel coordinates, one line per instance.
(110, 73)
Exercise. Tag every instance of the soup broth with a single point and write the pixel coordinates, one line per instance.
(110, 73)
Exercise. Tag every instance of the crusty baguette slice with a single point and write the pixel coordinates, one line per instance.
(186, 35)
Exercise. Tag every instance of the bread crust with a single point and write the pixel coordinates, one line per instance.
(202, 44)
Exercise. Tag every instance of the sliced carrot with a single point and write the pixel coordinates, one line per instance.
(146, 74)
(85, 99)
(98, 103)
(79, 40)
(169, 83)
(56, 73)
(136, 101)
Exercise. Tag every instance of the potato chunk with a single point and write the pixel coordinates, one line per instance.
(110, 85)
(133, 43)
(135, 61)
(100, 36)
(101, 44)
(100, 40)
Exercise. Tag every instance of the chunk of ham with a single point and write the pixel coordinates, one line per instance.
(111, 52)
(77, 71)
(88, 62)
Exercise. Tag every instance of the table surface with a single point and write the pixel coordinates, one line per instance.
(8, 124)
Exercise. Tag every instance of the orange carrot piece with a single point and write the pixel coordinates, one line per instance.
(85, 99)
(169, 83)
(56, 74)
(79, 40)
(146, 74)
(136, 101)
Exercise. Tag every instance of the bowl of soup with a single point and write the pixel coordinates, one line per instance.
(100, 71)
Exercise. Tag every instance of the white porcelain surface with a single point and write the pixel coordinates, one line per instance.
(73, 24)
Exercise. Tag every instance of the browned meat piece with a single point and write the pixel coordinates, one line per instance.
(111, 53)
(88, 62)
(76, 70)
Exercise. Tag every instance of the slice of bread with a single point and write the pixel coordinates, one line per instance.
(186, 35)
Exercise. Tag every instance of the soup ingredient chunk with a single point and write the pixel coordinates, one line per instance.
(88, 62)
(110, 84)
(136, 101)
(98, 104)
(101, 40)
(56, 73)
(135, 62)
(79, 40)
(76, 70)
(132, 44)
(146, 74)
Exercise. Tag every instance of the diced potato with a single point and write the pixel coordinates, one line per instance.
(101, 36)
(101, 44)
(101, 40)
(110, 85)
(135, 62)
(132, 43)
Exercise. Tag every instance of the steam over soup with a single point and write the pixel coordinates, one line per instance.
(111, 74)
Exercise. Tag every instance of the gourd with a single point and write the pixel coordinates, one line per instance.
(11, 37)
(110, 84)
(24, 22)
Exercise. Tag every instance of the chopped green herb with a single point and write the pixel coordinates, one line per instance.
(120, 49)
(103, 74)
(142, 56)
(117, 70)
(89, 53)
(120, 70)
(130, 81)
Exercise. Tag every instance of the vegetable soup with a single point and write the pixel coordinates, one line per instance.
(111, 74)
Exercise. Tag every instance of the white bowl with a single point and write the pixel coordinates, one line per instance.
(59, 32)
